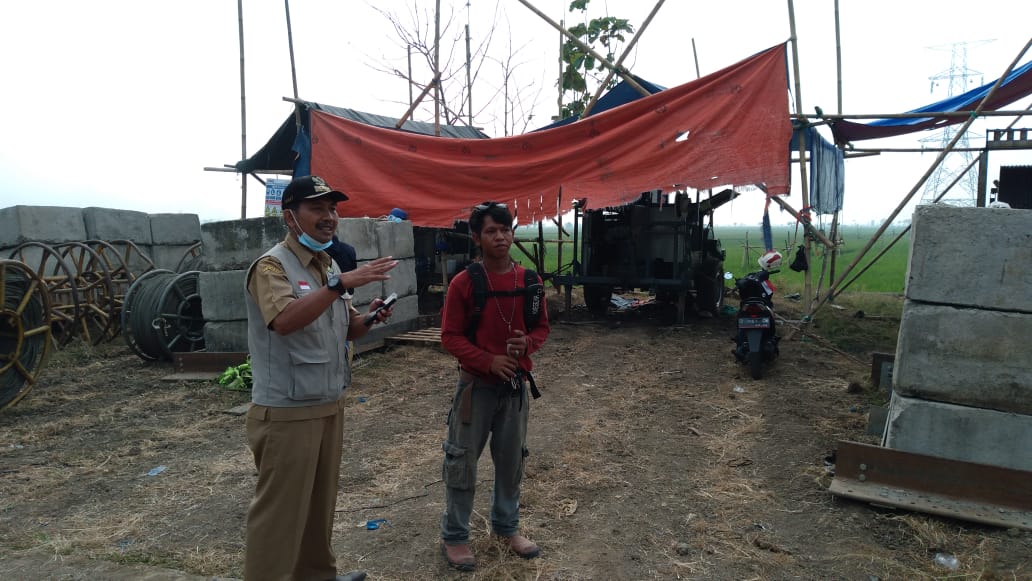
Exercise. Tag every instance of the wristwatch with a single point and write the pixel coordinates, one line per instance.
(336, 284)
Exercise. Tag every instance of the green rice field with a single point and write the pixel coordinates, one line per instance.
(744, 245)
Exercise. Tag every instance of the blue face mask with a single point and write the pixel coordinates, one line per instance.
(308, 242)
(311, 244)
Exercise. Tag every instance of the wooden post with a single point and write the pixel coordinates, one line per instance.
(293, 70)
(541, 241)
(696, 55)
(745, 251)
(415, 103)
(469, 81)
(243, 110)
(803, 181)
(437, 69)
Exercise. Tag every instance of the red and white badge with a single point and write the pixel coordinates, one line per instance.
(303, 285)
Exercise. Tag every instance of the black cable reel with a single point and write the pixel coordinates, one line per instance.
(26, 334)
(161, 315)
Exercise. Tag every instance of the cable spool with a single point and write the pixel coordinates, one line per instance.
(25, 330)
(58, 275)
(93, 285)
(162, 315)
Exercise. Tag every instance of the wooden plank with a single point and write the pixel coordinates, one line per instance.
(429, 337)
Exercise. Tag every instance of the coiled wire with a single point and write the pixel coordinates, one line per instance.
(162, 315)
(25, 332)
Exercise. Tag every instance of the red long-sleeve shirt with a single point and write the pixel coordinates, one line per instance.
(495, 318)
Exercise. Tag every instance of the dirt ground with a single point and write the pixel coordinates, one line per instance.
(653, 456)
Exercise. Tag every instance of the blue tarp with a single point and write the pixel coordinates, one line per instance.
(1016, 85)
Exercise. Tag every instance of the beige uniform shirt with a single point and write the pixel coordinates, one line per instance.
(271, 289)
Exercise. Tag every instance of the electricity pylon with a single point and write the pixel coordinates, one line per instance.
(960, 80)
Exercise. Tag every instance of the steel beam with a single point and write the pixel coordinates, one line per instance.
(964, 490)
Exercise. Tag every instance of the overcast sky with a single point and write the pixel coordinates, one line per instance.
(122, 103)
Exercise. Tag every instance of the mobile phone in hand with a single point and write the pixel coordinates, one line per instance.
(387, 303)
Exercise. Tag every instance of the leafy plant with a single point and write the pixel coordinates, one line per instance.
(603, 35)
(237, 378)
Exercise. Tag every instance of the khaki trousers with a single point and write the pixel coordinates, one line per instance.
(290, 520)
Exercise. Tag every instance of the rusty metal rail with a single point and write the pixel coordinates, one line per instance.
(981, 493)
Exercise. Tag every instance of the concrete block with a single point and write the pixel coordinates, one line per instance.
(225, 336)
(366, 293)
(975, 257)
(222, 295)
(175, 229)
(171, 256)
(970, 357)
(403, 278)
(233, 245)
(395, 239)
(959, 432)
(47, 224)
(360, 233)
(405, 317)
(108, 225)
(404, 312)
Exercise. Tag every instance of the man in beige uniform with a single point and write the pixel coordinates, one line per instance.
(298, 327)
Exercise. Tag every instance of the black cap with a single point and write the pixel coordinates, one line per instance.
(309, 188)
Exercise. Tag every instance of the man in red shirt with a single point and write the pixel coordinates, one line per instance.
(491, 396)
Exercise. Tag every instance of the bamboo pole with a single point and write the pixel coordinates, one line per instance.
(408, 53)
(559, 83)
(469, 79)
(979, 160)
(619, 61)
(924, 178)
(415, 104)
(829, 261)
(437, 69)
(803, 181)
(904, 231)
(806, 224)
(624, 74)
(695, 54)
(243, 110)
(293, 69)
(928, 114)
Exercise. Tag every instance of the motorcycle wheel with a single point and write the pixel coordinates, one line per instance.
(756, 364)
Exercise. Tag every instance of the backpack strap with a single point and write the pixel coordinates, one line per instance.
(533, 298)
(533, 293)
(479, 279)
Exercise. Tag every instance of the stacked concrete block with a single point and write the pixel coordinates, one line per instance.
(234, 245)
(117, 226)
(224, 310)
(173, 236)
(962, 385)
(109, 225)
(231, 247)
(46, 224)
(49, 225)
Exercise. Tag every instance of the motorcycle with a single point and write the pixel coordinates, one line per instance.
(757, 338)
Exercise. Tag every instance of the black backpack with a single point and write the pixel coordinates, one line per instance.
(533, 293)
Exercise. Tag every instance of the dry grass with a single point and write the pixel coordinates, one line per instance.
(646, 462)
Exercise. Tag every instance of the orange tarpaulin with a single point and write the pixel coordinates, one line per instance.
(728, 128)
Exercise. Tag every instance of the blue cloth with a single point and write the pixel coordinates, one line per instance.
(768, 234)
(302, 148)
(827, 174)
